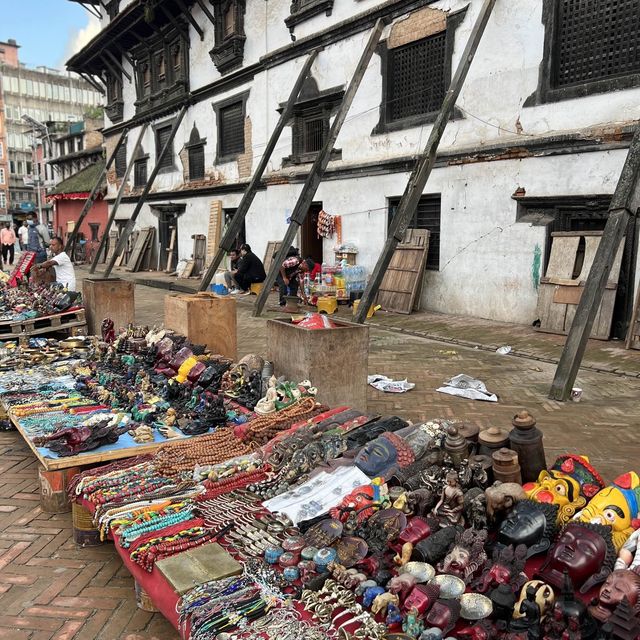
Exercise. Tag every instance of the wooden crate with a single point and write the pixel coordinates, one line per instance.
(205, 319)
(335, 360)
(108, 298)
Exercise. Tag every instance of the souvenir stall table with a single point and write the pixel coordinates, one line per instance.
(298, 520)
(30, 309)
(351, 526)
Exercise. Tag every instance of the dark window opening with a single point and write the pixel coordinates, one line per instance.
(121, 161)
(596, 40)
(240, 239)
(416, 78)
(196, 162)
(314, 135)
(95, 228)
(162, 137)
(231, 130)
(426, 216)
(140, 173)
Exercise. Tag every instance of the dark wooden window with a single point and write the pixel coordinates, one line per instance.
(596, 40)
(231, 130)
(426, 216)
(95, 228)
(416, 78)
(315, 135)
(228, 52)
(140, 172)
(121, 161)
(196, 162)
(162, 135)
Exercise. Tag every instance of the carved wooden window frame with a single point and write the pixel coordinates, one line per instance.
(196, 145)
(548, 89)
(228, 52)
(221, 155)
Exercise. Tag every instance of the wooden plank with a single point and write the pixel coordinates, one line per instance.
(170, 250)
(199, 253)
(567, 295)
(269, 253)
(142, 242)
(633, 333)
(563, 257)
(399, 287)
(214, 230)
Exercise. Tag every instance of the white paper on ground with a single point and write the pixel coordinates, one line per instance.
(465, 386)
(383, 383)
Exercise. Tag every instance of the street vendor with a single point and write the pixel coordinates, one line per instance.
(65, 273)
(250, 269)
(291, 277)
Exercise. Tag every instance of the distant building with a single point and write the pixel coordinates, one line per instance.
(47, 96)
(77, 161)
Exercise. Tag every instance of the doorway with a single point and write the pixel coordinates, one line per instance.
(310, 241)
(168, 239)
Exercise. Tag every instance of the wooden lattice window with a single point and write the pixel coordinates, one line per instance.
(315, 134)
(140, 173)
(426, 216)
(121, 161)
(162, 136)
(231, 130)
(596, 40)
(195, 149)
(416, 78)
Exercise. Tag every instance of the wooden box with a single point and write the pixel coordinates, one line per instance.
(335, 360)
(205, 319)
(108, 298)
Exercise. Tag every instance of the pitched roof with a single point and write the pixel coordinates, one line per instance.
(83, 181)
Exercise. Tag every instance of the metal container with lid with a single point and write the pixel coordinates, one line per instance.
(505, 466)
(526, 440)
(456, 446)
(492, 439)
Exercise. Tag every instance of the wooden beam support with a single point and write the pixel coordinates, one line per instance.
(190, 18)
(243, 208)
(175, 23)
(424, 165)
(71, 242)
(118, 64)
(206, 11)
(319, 166)
(116, 204)
(131, 223)
(625, 203)
(124, 54)
(92, 82)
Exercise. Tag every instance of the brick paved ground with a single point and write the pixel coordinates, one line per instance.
(49, 588)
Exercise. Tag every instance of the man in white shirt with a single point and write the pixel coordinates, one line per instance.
(65, 273)
(23, 234)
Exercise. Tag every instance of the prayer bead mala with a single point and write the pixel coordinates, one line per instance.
(239, 481)
(178, 458)
(263, 428)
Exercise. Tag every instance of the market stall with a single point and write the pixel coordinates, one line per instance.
(285, 518)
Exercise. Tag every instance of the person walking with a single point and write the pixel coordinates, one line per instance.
(39, 239)
(250, 269)
(8, 242)
(23, 234)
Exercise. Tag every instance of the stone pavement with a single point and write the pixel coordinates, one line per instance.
(51, 589)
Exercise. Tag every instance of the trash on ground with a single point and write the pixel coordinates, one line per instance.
(383, 383)
(503, 351)
(467, 387)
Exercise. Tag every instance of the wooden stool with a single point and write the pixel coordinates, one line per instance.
(356, 304)
(327, 304)
(256, 288)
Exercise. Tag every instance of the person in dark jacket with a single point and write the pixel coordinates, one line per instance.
(250, 269)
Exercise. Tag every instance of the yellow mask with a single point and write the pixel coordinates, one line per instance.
(570, 483)
(615, 506)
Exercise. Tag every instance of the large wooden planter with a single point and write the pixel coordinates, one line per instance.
(205, 319)
(335, 360)
(108, 298)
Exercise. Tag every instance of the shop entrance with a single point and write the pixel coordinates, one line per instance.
(310, 241)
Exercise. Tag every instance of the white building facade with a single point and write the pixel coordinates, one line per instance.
(541, 130)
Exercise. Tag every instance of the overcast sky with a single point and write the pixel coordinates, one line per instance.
(48, 31)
